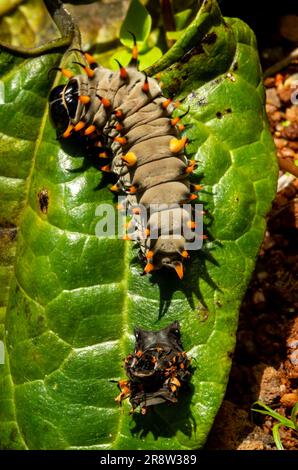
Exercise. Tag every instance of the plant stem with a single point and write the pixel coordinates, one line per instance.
(168, 19)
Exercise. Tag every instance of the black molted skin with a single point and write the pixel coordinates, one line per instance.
(158, 369)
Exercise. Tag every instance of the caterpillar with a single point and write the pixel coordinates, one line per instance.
(157, 369)
(124, 118)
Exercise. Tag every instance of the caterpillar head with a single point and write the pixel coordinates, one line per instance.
(63, 104)
(167, 252)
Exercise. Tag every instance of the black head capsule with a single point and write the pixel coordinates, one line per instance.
(58, 111)
(71, 96)
(63, 104)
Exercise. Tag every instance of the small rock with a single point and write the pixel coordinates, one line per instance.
(294, 358)
(286, 152)
(292, 114)
(285, 93)
(262, 275)
(289, 399)
(258, 297)
(272, 97)
(251, 445)
(291, 132)
(269, 384)
(280, 143)
(269, 82)
(292, 343)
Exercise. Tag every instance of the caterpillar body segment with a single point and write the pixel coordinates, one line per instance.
(126, 117)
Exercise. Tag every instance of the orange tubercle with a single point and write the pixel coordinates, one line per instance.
(197, 187)
(179, 270)
(191, 224)
(118, 113)
(106, 168)
(135, 52)
(119, 127)
(132, 189)
(89, 72)
(166, 103)
(67, 73)
(148, 268)
(105, 102)
(84, 99)
(90, 130)
(90, 59)
(79, 126)
(176, 145)
(130, 159)
(120, 140)
(145, 86)
(149, 254)
(175, 121)
(68, 131)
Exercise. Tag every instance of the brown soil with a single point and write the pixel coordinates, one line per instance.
(265, 363)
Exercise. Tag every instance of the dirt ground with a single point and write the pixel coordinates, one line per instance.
(265, 363)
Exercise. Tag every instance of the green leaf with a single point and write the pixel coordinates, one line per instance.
(181, 18)
(294, 416)
(276, 436)
(270, 412)
(146, 59)
(73, 299)
(26, 25)
(175, 34)
(137, 21)
(8, 5)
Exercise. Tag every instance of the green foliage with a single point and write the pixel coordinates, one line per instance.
(137, 21)
(72, 299)
(259, 407)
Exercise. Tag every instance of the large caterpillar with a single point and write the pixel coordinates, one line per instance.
(125, 118)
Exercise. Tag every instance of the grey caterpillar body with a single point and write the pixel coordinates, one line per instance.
(128, 121)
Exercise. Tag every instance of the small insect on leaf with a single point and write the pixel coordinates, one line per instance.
(158, 369)
(43, 200)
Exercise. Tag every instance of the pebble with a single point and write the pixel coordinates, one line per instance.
(293, 357)
(258, 297)
(292, 343)
(289, 399)
(262, 275)
(272, 97)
